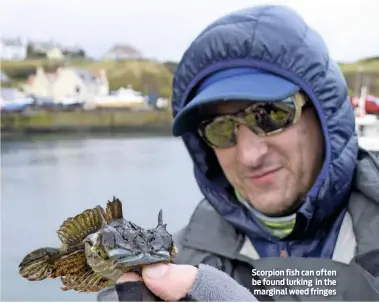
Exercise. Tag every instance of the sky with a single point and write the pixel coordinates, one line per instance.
(163, 29)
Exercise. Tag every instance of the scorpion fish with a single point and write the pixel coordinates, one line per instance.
(97, 247)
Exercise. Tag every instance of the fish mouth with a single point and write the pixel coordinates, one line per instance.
(123, 257)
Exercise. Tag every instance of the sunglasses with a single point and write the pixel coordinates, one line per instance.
(262, 118)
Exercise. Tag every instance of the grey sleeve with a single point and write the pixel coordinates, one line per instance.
(212, 284)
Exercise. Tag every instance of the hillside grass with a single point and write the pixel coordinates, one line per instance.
(369, 69)
(144, 75)
(154, 77)
(367, 65)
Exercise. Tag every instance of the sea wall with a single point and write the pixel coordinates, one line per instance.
(85, 121)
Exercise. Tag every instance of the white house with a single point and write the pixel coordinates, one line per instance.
(122, 52)
(56, 51)
(68, 83)
(13, 48)
(50, 49)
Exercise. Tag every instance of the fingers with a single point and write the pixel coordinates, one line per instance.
(113, 294)
(167, 281)
(129, 277)
(170, 282)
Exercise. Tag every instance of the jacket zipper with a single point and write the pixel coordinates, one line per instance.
(283, 250)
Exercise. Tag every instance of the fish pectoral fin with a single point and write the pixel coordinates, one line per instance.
(72, 263)
(85, 281)
(40, 264)
(75, 229)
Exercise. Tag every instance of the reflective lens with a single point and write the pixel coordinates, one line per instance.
(262, 118)
(221, 132)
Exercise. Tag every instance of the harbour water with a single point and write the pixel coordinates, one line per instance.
(44, 182)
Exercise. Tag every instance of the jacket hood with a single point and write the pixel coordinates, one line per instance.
(274, 38)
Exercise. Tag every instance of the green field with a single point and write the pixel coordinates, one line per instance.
(151, 76)
(144, 75)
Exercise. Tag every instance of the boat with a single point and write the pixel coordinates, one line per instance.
(367, 125)
(13, 100)
(122, 98)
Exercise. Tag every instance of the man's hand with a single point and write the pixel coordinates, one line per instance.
(168, 281)
(172, 282)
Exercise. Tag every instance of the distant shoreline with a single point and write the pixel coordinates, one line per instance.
(124, 132)
(91, 123)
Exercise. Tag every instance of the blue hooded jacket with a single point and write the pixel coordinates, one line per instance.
(276, 39)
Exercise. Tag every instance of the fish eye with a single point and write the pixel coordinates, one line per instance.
(154, 239)
(91, 239)
(88, 241)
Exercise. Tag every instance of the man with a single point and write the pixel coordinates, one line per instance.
(264, 113)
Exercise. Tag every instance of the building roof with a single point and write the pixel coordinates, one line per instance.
(126, 50)
(12, 41)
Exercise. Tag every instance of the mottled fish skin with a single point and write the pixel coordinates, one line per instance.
(98, 246)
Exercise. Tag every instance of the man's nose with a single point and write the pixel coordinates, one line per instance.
(251, 148)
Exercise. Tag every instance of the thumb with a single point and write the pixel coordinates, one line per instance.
(170, 282)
